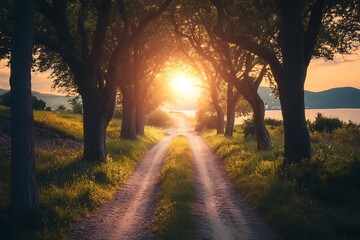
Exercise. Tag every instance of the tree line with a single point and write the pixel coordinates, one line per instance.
(103, 49)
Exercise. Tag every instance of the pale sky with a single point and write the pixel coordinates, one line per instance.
(343, 71)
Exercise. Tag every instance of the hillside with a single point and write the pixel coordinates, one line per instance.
(346, 97)
(51, 100)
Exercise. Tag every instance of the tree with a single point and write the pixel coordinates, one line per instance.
(82, 48)
(61, 108)
(24, 195)
(234, 65)
(287, 34)
(127, 55)
(38, 104)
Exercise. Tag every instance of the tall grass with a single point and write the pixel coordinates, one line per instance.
(173, 218)
(318, 199)
(70, 189)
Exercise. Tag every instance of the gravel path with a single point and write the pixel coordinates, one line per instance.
(221, 213)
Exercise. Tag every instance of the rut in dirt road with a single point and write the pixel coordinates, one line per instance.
(221, 213)
(127, 216)
(220, 210)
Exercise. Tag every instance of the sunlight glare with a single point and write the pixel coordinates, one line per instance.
(182, 84)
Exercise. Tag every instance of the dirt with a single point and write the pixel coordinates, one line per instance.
(220, 211)
(44, 139)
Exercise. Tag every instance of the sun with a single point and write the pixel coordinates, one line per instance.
(182, 84)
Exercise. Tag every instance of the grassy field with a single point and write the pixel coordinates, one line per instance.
(317, 200)
(69, 188)
(173, 218)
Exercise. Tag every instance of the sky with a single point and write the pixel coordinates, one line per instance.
(343, 71)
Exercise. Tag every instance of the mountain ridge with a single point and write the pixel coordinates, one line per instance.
(341, 97)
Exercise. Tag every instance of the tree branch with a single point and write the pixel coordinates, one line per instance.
(244, 41)
(313, 29)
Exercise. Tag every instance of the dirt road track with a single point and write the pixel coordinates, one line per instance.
(127, 215)
(221, 213)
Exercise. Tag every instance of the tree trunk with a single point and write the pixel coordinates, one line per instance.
(140, 119)
(24, 195)
(297, 140)
(219, 120)
(231, 102)
(250, 94)
(128, 127)
(291, 82)
(95, 123)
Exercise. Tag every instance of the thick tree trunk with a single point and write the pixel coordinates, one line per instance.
(231, 102)
(140, 119)
(291, 82)
(95, 123)
(297, 140)
(128, 127)
(257, 104)
(219, 120)
(24, 195)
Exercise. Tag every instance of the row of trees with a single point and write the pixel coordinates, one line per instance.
(98, 47)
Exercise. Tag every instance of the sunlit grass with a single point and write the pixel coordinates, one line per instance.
(173, 218)
(317, 200)
(71, 189)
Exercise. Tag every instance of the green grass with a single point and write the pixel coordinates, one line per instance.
(317, 200)
(70, 189)
(173, 216)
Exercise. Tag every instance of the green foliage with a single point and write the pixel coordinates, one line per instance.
(173, 218)
(61, 108)
(325, 124)
(77, 108)
(70, 189)
(37, 104)
(348, 134)
(206, 122)
(158, 118)
(317, 199)
(248, 127)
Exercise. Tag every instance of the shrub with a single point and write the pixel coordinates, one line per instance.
(326, 124)
(37, 104)
(348, 134)
(158, 118)
(248, 127)
(273, 122)
(206, 122)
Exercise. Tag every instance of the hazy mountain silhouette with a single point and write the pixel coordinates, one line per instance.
(51, 100)
(345, 97)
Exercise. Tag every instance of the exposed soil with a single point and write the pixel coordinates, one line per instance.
(44, 139)
(221, 213)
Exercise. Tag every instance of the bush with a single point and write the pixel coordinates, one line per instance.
(206, 122)
(325, 124)
(37, 104)
(348, 134)
(77, 108)
(273, 122)
(248, 127)
(158, 118)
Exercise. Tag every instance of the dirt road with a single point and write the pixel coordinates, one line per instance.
(221, 213)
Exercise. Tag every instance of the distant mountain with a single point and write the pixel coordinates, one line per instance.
(51, 100)
(346, 97)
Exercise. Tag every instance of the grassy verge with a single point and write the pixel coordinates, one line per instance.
(173, 218)
(318, 200)
(69, 188)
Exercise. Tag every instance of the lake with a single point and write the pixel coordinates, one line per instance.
(344, 114)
